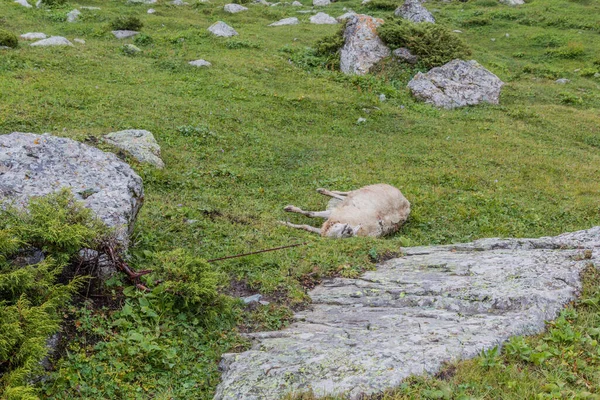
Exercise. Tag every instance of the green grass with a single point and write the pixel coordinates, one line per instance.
(254, 133)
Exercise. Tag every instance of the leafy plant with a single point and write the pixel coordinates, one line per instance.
(8, 39)
(571, 50)
(54, 3)
(126, 23)
(143, 40)
(389, 5)
(434, 44)
(329, 48)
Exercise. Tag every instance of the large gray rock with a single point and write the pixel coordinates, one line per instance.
(33, 36)
(362, 47)
(52, 41)
(320, 3)
(414, 11)
(457, 84)
(139, 143)
(414, 313)
(124, 34)
(322, 19)
(221, 29)
(35, 165)
(234, 8)
(286, 21)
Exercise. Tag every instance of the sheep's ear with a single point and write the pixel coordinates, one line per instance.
(355, 230)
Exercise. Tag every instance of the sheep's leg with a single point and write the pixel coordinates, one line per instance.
(329, 193)
(303, 227)
(311, 214)
(340, 193)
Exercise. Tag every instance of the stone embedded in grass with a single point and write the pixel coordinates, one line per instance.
(142, 1)
(33, 36)
(286, 21)
(73, 15)
(179, 3)
(320, 3)
(36, 165)
(297, 4)
(345, 16)
(200, 63)
(53, 41)
(80, 41)
(435, 304)
(24, 3)
(322, 19)
(124, 34)
(513, 2)
(457, 84)
(252, 299)
(414, 11)
(130, 49)
(362, 47)
(90, 8)
(404, 55)
(221, 29)
(234, 8)
(139, 143)
(151, 11)
(562, 81)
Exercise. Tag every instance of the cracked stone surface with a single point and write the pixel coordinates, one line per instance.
(52, 41)
(140, 143)
(362, 46)
(457, 84)
(35, 165)
(434, 304)
(221, 29)
(286, 21)
(414, 11)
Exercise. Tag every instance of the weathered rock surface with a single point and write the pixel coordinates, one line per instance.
(362, 47)
(33, 36)
(52, 41)
(124, 34)
(24, 3)
(296, 4)
(320, 3)
(140, 143)
(36, 165)
(412, 314)
(345, 16)
(404, 55)
(414, 11)
(322, 19)
(512, 2)
(457, 84)
(234, 8)
(200, 63)
(142, 1)
(221, 29)
(73, 16)
(286, 21)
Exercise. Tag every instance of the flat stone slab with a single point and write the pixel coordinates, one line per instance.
(52, 41)
(433, 305)
(33, 36)
(140, 143)
(286, 21)
(322, 19)
(221, 29)
(200, 63)
(35, 165)
(234, 8)
(124, 34)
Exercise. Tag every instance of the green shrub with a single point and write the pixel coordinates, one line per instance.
(548, 40)
(477, 21)
(126, 23)
(571, 50)
(389, 5)
(143, 40)
(434, 44)
(589, 72)
(31, 297)
(242, 1)
(54, 3)
(241, 44)
(329, 47)
(8, 39)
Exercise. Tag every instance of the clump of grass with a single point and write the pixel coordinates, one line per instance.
(8, 39)
(571, 50)
(54, 3)
(143, 40)
(329, 47)
(126, 23)
(434, 44)
(477, 21)
(388, 5)
(241, 44)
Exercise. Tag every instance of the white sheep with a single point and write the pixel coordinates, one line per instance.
(374, 210)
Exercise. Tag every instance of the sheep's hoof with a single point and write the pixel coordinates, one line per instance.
(289, 208)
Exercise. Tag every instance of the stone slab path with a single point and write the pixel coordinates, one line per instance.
(412, 314)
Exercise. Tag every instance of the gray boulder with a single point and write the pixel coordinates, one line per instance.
(433, 305)
(286, 21)
(414, 11)
(200, 63)
(221, 29)
(234, 8)
(35, 165)
(344, 17)
(322, 19)
(139, 143)
(513, 2)
(404, 55)
(52, 41)
(24, 3)
(362, 47)
(124, 34)
(457, 84)
(320, 3)
(73, 15)
(33, 36)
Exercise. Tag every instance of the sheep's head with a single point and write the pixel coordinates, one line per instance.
(340, 231)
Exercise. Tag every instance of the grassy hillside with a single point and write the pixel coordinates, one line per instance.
(257, 131)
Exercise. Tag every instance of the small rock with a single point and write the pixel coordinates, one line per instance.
(24, 3)
(53, 41)
(286, 21)
(90, 8)
(322, 19)
(33, 36)
(151, 11)
(5, 48)
(131, 49)
(221, 29)
(124, 34)
(507, 35)
(200, 63)
(139, 143)
(562, 81)
(345, 16)
(382, 97)
(404, 55)
(597, 75)
(179, 3)
(264, 303)
(512, 2)
(234, 8)
(364, 2)
(320, 3)
(252, 299)
(577, 70)
(361, 120)
(73, 15)
(457, 31)
(80, 41)
(142, 1)
(297, 4)
(493, 39)
(414, 11)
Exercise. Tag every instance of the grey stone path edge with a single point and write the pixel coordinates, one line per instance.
(433, 305)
